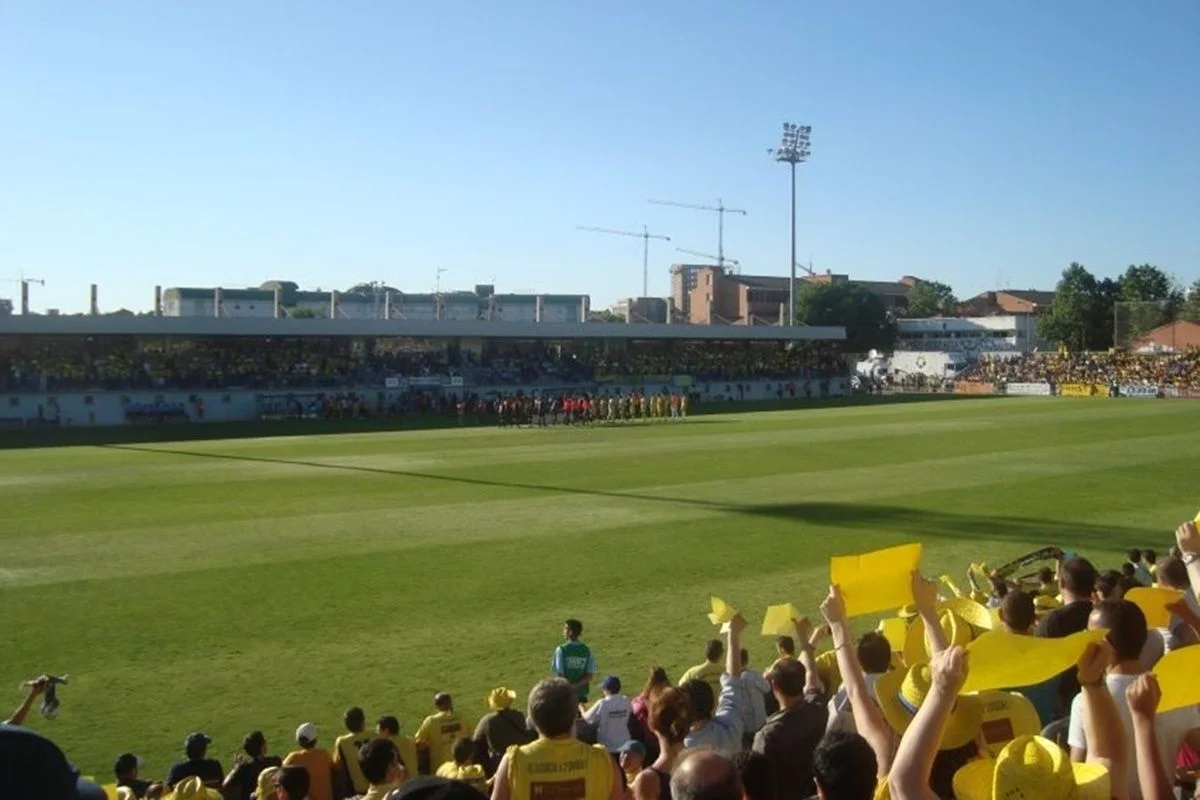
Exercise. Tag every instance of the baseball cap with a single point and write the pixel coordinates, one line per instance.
(429, 788)
(611, 684)
(126, 762)
(45, 772)
(306, 733)
(634, 747)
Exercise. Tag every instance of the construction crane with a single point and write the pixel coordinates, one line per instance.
(808, 269)
(645, 236)
(733, 261)
(720, 211)
(25, 290)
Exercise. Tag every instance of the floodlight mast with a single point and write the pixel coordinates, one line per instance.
(720, 210)
(645, 236)
(793, 149)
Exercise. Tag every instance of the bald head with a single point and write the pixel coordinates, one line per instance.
(705, 775)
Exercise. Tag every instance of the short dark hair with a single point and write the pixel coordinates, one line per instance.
(1134, 555)
(443, 701)
(553, 707)
(293, 780)
(999, 586)
(464, 750)
(354, 719)
(574, 627)
(789, 676)
(786, 644)
(1128, 570)
(375, 758)
(254, 743)
(714, 649)
(1126, 626)
(1110, 584)
(757, 774)
(1045, 574)
(1173, 572)
(874, 653)
(390, 724)
(1018, 611)
(1078, 576)
(700, 698)
(1150, 557)
(844, 765)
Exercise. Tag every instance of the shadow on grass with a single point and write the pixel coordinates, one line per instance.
(917, 522)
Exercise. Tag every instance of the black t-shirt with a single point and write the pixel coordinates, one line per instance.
(789, 738)
(1071, 618)
(207, 770)
(244, 779)
(138, 786)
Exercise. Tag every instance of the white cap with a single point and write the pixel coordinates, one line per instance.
(306, 733)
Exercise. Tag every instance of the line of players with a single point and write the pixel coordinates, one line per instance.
(584, 409)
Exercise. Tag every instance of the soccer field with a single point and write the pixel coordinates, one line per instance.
(231, 585)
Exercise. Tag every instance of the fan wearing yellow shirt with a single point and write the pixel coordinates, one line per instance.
(463, 767)
(389, 728)
(711, 670)
(380, 765)
(557, 766)
(437, 734)
(345, 751)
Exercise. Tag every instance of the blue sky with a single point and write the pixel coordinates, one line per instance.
(188, 143)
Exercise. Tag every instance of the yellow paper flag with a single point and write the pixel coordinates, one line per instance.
(722, 612)
(876, 581)
(1153, 601)
(1006, 661)
(894, 630)
(778, 620)
(1176, 672)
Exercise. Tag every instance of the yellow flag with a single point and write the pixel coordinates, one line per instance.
(876, 581)
(1176, 672)
(999, 660)
(778, 620)
(722, 612)
(1153, 601)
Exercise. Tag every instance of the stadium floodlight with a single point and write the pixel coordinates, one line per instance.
(793, 149)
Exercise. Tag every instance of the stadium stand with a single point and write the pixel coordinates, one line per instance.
(1176, 370)
(955, 715)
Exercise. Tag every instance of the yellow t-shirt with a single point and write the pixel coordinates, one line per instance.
(560, 769)
(467, 773)
(438, 732)
(710, 672)
(345, 759)
(408, 754)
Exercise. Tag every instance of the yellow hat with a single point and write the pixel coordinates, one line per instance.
(193, 789)
(916, 647)
(1006, 715)
(500, 698)
(974, 613)
(266, 784)
(1044, 602)
(907, 612)
(1030, 766)
(901, 693)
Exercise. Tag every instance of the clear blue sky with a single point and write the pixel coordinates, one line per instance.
(233, 141)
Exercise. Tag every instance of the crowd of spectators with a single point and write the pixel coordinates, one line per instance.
(122, 364)
(868, 718)
(1178, 370)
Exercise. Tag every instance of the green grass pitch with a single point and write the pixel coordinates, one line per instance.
(231, 585)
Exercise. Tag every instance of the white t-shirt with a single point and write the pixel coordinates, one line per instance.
(1171, 727)
(610, 715)
(841, 715)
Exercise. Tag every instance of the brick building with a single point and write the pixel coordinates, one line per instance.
(1006, 302)
(1170, 338)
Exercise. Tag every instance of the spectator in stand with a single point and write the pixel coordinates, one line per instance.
(670, 721)
(197, 763)
(379, 763)
(791, 735)
(844, 767)
(248, 765)
(711, 670)
(293, 783)
(125, 770)
(706, 775)
(463, 767)
(501, 728)
(721, 727)
(1018, 616)
(573, 660)
(785, 646)
(1181, 631)
(875, 656)
(389, 728)
(632, 759)
(541, 768)
(610, 714)
(1076, 582)
(757, 774)
(754, 710)
(346, 750)
(33, 767)
(268, 781)
(1150, 558)
(315, 760)
(438, 732)
(1141, 573)
(639, 724)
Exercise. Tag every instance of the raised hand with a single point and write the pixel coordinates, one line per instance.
(1144, 695)
(833, 607)
(949, 669)
(924, 593)
(1094, 662)
(1188, 538)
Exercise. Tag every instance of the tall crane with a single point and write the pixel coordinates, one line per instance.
(733, 261)
(720, 211)
(645, 236)
(25, 290)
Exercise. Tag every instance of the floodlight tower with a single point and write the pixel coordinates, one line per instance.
(793, 149)
(645, 236)
(720, 211)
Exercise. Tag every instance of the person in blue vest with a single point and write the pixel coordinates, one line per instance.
(573, 660)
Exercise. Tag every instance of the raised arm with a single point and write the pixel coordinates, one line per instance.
(1143, 696)
(1188, 538)
(804, 634)
(868, 717)
(36, 687)
(925, 597)
(1102, 726)
(909, 778)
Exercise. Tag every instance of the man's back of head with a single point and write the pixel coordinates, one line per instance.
(787, 678)
(354, 719)
(705, 775)
(1017, 612)
(757, 774)
(553, 707)
(294, 782)
(786, 645)
(1077, 577)
(1172, 573)
(443, 702)
(1126, 626)
(844, 767)
(700, 697)
(874, 653)
(714, 650)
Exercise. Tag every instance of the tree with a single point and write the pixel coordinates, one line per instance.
(6, 307)
(851, 305)
(930, 299)
(371, 287)
(1146, 282)
(305, 312)
(1074, 314)
(605, 315)
(1191, 306)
